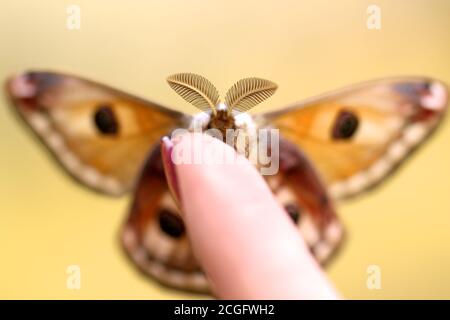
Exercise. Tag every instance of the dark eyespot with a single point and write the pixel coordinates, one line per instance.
(293, 211)
(105, 120)
(345, 125)
(171, 224)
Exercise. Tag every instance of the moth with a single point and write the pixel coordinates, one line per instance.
(332, 147)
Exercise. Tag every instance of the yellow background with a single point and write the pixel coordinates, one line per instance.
(47, 222)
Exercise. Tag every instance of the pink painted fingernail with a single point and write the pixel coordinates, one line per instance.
(169, 169)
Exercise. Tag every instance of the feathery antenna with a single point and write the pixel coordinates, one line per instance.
(248, 92)
(195, 89)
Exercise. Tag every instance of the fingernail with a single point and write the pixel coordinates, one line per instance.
(169, 169)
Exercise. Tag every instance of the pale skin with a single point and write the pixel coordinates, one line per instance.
(244, 240)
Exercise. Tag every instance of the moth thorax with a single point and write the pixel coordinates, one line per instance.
(221, 120)
(237, 130)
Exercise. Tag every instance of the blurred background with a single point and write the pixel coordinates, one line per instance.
(48, 222)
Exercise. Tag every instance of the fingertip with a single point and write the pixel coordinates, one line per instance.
(242, 237)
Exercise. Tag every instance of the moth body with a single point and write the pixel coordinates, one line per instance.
(222, 120)
(333, 146)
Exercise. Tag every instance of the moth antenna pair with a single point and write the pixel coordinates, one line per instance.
(242, 96)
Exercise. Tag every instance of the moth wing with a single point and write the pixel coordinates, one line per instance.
(357, 136)
(156, 240)
(99, 134)
(154, 235)
(299, 189)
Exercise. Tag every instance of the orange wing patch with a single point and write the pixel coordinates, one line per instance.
(357, 136)
(99, 134)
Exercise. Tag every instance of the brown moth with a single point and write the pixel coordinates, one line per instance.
(332, 147)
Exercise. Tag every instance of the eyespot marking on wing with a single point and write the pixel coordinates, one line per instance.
(105, 120)
(293, 211)
(352, 154)
(92, 127)
(56, 143)
(395, 153)
(322, 243)
(345, 126)
(171, 224)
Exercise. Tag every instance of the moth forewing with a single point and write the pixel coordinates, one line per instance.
(358, 135)
(99, 134)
